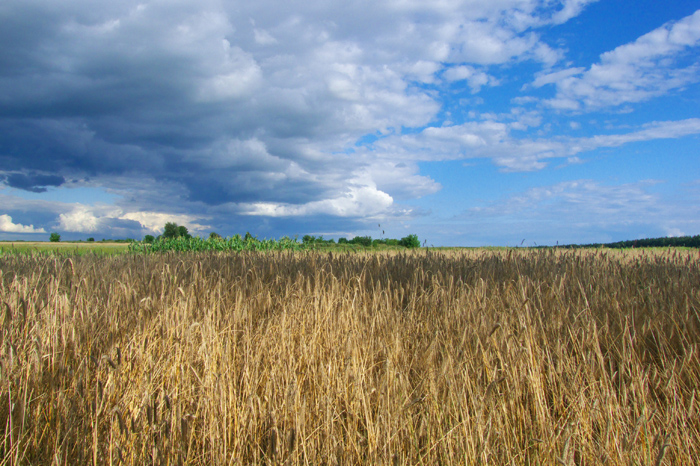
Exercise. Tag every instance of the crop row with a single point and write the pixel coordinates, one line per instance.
(234, 243)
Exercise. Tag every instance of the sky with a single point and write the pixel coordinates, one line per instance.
(465, 122)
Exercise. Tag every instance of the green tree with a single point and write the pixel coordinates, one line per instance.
(214, 235)
(365, 241)
(54, 237)
(410, 241)
(91, 240)
(183, 233)
(148, 239)
(171, 230)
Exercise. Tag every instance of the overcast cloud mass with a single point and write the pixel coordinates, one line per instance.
(467, 122)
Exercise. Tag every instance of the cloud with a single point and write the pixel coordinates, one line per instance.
(494, 140)
(92, 218)
(400, 178)
(125, 219)
(588, 201)
(145, 88)
(201, 110)
(357, 202)
(586, 210)
(263, 37)
(81, 218)
(6, 225)
(570, 9)
(155, 221)
(663, 60)
(236, 76)
(673, 231)
(475, 79)
(648, 132)
(556, 76)
(36, 183)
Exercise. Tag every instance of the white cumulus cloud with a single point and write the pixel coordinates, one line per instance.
(92, 218)
(632, 72)
(364, 201)
(8, 226)
(81, 219)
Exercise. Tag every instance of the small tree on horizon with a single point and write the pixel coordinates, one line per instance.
(54, 237)
(171, 230)
(183, 233)
(410, 241)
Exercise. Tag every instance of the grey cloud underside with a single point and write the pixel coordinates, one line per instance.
(35, 182)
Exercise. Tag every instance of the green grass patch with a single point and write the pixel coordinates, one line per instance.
(40, 247)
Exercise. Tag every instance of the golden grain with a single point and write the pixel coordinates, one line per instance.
(513, 357)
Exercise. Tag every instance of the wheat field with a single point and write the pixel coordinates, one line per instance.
(462, 357)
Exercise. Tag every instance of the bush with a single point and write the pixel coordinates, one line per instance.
(55, 237)
(410, 241)
(365, 241)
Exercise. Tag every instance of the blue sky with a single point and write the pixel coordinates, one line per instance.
(465, 122)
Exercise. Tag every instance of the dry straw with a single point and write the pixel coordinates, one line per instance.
(473, 357)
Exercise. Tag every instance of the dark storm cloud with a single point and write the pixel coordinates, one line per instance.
(34, 183)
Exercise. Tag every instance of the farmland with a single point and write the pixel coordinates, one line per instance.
(42, 247)
(509, 356)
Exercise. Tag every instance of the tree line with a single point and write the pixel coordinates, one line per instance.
(664, 242)
(173, 230)
(410, 241)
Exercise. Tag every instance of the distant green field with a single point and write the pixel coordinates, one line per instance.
(102, 248)
(111, 248)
